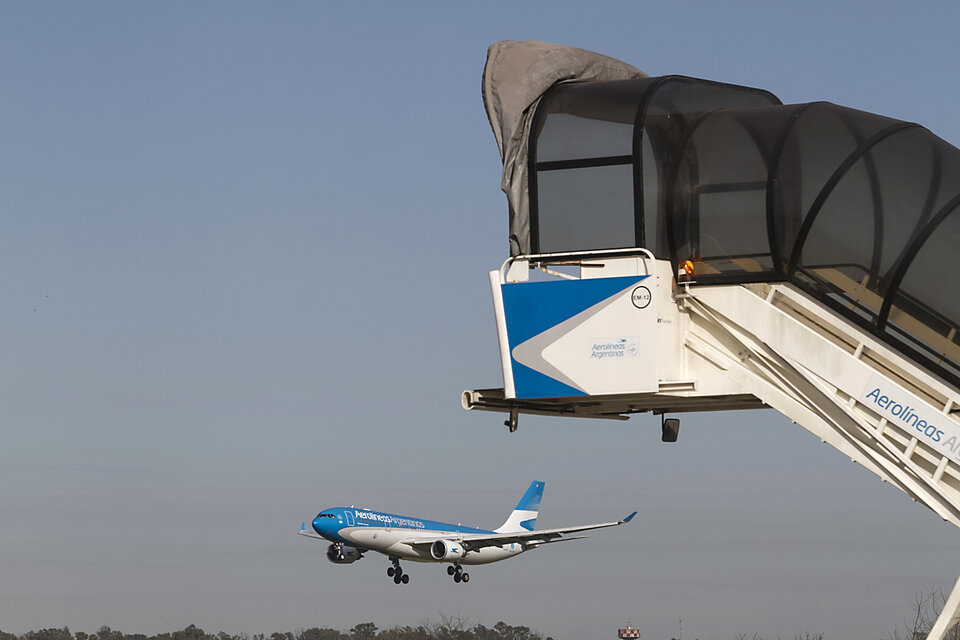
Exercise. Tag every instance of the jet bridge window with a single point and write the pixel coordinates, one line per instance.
(717, 208)
(602, 156)
(583, 169)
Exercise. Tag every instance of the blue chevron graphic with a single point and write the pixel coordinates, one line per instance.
(529, 383)
(530, 308)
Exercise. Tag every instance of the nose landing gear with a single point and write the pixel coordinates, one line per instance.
(396, 572)
(459, 575)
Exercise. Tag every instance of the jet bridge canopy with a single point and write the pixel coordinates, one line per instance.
(814, 240)
(858, 210)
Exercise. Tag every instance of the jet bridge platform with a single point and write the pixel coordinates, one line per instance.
(699, 246)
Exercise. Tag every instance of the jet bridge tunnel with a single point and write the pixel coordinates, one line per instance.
(680, 244)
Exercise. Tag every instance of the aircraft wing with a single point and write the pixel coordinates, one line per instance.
(474, 542)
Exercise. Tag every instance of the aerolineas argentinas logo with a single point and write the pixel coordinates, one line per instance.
(906, 414)
(390, 520)
(614, 348)
(915, 416)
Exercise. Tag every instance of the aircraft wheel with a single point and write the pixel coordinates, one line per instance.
(465, 577)
(390, 571)
(451, 570)
(405, 578)
(397, 578)
(457, 577)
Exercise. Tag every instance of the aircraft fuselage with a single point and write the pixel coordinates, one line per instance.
(395, 535)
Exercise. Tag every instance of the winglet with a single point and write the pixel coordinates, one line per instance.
(628, 518)
(303, 526)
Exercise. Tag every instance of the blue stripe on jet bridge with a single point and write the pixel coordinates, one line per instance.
(533, 307)
(530, 308)
(529, 383)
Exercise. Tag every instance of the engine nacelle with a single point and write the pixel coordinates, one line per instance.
(342, 554)
(446, 550)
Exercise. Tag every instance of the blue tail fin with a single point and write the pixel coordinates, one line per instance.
(524, 516)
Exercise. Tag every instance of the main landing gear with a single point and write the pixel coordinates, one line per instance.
(459, 575)
(397, 573)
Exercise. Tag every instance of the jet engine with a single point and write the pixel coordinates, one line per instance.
(446, 550)
(342, 554)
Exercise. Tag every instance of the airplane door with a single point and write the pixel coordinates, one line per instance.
(349, 515)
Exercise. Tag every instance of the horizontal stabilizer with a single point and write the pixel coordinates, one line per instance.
(308, 533)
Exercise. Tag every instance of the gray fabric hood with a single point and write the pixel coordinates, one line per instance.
(515, 77)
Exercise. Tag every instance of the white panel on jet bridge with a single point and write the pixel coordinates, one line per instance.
(577, 337)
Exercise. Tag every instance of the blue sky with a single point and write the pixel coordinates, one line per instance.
(244, 251)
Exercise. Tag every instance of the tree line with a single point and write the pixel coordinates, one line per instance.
(447, 628)
(923, 612)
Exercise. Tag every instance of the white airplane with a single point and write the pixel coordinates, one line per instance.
(353, 532)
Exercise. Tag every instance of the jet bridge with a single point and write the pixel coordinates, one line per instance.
(685, 245)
